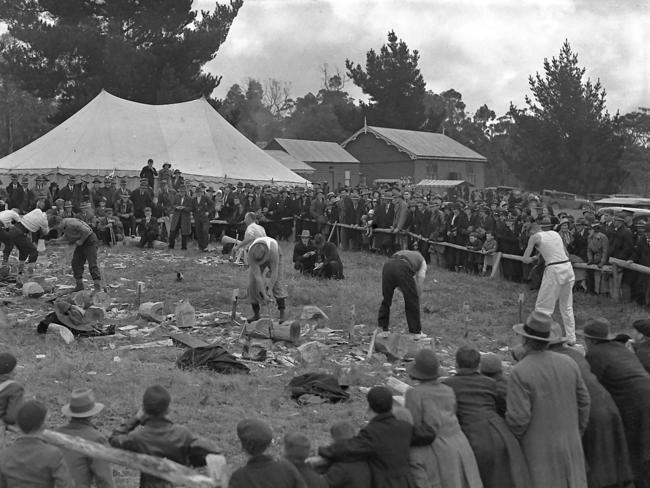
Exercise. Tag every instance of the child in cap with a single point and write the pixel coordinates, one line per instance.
(11, 392)
(349, 474)
(262, 470)
(151, 432)
(296, 450)
(31, 461)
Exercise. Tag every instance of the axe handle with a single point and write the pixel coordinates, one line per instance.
(372, 343)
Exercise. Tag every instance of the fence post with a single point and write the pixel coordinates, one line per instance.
(496, 266)
(616, 283)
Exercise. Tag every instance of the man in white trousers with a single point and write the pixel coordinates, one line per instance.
(558, 279)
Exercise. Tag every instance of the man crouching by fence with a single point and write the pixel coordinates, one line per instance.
(264, 254)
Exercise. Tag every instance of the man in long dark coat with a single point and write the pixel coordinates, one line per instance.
(622, 374)
(181, 219)
(603, 441)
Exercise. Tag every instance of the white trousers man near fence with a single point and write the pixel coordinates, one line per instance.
(558, 279)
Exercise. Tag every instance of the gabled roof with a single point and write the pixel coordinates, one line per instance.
(113, 135)
(313, 151)
(289, 161)
(420, 145)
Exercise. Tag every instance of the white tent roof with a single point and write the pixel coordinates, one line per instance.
(111, 134)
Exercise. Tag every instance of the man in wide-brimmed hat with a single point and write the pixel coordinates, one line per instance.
(603, 441)
(623, 376)
(548, 408)
(304, 254)
(85, 470)
(558, 278)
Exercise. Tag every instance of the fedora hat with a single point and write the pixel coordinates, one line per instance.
(425, 367)
(82, 404)
(305, 233)
(598, 328)
(537, 326)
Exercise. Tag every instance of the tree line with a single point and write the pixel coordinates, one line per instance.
(57, 56)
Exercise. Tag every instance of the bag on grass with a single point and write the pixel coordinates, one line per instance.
(213, 357)
(319, 384)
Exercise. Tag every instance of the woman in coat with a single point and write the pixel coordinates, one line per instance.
(501, 462)
(603, 441)
(449, 462)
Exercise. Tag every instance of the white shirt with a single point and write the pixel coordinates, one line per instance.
(9, 217)
(551, 247)
(253, 231)
(268, 241)
(35, 220)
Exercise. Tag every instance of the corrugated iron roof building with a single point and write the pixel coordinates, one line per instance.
(397, 153)
(331, 163)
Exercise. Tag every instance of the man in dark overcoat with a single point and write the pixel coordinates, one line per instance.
(181, 219)
(203, 210)
(603, 441)
(623, 376)
(641, 344)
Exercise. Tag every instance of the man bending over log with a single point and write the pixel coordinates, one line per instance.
(264, 254)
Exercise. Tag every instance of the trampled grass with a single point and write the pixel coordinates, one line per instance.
(212, 404)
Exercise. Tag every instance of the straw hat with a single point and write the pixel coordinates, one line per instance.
(82, 404)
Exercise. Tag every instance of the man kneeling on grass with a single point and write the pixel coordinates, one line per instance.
(159, 436)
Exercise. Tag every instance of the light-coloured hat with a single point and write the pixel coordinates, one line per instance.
(537, 326)
(82, 404)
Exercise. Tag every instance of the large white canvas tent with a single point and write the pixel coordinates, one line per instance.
(114, 136)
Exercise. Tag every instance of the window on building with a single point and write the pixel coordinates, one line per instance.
(432, 171)
(347, 178)
(453, 176)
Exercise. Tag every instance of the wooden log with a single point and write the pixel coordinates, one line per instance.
(162, 468)
(265, 328)
(639, 268)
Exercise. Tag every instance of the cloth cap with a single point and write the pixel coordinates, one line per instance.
(156, 400)
(643, 326)
(490, 363)
(7, 362)
(425, 367)
(380, 399)
(31, 416)
(255, 436)
(296, 446)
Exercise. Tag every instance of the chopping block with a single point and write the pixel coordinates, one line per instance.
(267, 328)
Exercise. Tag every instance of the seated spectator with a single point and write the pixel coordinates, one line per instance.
(124, 210)
(641, 343)
(11, 392)
(492, 367)
(347, 474)
(85, 470)
(262, 470)
(384, 443)
(489, 248)
(329, 263)
(31, 461)
(148, 229)
(304, 254)
(151, 432)
(296, 451)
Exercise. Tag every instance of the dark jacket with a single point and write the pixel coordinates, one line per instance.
(32, 462)
(621, 244)
(141, 199)
(202, 207)
(11, 397)
(642, 351)
(263, 471)
(623, 376)
(150, 227)
(182, 217)
(385, 443)
(86, 470)
(161, 438)
(351, 474)
(149, 173)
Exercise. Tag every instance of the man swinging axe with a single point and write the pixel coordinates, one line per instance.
(264, 257)
(19, 236)
(404, 270)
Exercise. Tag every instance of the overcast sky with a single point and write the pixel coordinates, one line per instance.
(484, 49)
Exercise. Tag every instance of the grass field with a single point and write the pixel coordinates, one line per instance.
(212, 404)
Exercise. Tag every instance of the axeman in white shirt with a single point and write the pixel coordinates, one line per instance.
(558, 279)
(19, 236)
